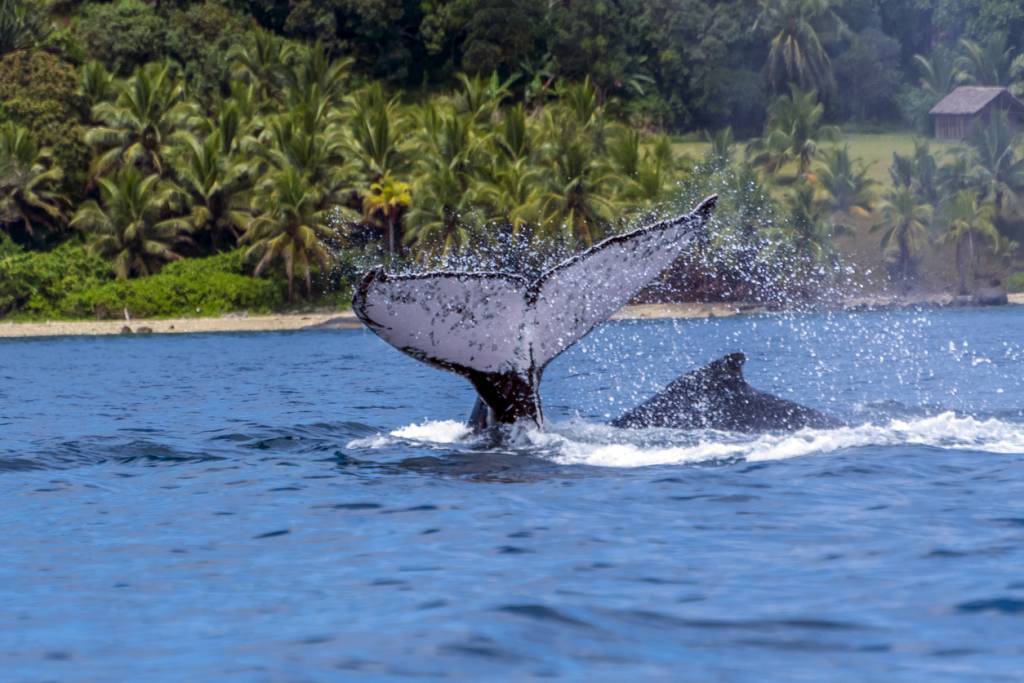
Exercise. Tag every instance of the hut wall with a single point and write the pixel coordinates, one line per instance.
(951, 127)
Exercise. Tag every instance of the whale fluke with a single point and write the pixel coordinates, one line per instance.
(718, 397)
(500, 330)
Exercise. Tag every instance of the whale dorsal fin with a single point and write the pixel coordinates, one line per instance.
(500, 330)
(728, 370)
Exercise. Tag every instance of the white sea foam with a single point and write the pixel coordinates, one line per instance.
(436, 432)
(371, 442)
(441, 431)
(582, 443)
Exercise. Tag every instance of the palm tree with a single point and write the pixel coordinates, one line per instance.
(375, 132)
(454, 156)
(810, 224)
(770, 153)
(310, 74)
(537, 76)
(137, 127)
(625, 154)
(442, 214)
(1017, 74)
(513, 137)
(260, 62)
(510, 193)
(918, 171)
(23, 24)
(796, 55)
(793, 133)
(720, 154)
(955, 174)
(938, 72)
(576, 205)
(30, 196)
(384, 205)
(452, 139)
(988, 63)
(968, 222)
(97, 83)
(480, 97)
(582, 101)
(231, 124)
(656, 172)
(998, 170)
(130, 227)
(303, 141)
(904, 221)
(639, 173)
(846, 182)
(216, 183)
(290, 226)
(926, 173)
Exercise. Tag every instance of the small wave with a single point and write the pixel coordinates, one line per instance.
(445, 431)
(581, 443)
(437, 432)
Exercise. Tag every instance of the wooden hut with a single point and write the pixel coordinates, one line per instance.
(960, 110)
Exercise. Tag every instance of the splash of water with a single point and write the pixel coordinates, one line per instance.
(582, 443)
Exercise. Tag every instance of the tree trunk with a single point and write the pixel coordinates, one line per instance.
(961, 267)
(904, 258)
(396, 231)
(972, 256)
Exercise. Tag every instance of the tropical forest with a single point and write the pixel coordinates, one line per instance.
(178, 157)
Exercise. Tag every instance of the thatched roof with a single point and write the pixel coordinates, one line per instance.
(971, 99)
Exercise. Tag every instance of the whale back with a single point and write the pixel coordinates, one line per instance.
(718, 396)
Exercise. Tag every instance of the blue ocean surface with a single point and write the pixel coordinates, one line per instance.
(307, 507)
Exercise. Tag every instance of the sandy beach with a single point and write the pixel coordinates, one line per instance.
(227, 323)
(342, 320)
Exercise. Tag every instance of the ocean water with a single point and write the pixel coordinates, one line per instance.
(307, 507)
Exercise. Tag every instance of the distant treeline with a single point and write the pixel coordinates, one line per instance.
(294, 138)
(674, 64)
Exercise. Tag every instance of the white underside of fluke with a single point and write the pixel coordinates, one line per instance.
(499, 323)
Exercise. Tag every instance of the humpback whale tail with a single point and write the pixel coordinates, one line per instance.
(500, 330)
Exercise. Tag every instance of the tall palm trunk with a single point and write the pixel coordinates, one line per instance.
(904, 257)
(394, 232)
(961, 267)
(973, 256)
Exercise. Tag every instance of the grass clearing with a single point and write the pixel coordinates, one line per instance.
(860, 246)
(873, 149)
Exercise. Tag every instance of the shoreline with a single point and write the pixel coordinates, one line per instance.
(346, 320)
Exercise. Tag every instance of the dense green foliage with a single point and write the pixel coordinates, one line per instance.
(305, 138)
(35, 282)
(206, 286)
(72, 282)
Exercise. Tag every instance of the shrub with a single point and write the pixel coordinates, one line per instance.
(71, 282)
(207, 286)
(198, 37)
(7, 247)
(30, 282)
(1015, 283)
(40, 92)
(123, 34)
(915, 104)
